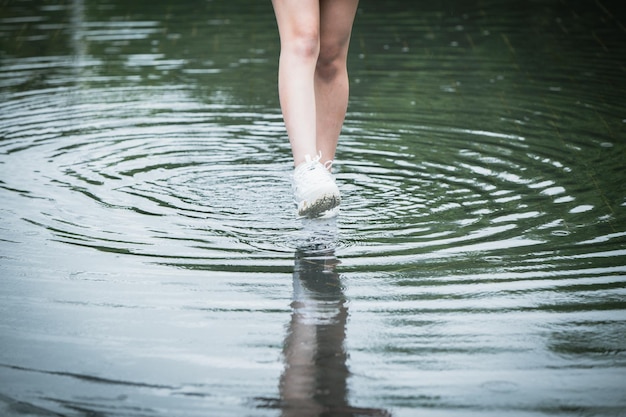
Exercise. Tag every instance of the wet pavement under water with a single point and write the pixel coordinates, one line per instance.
(152, 264)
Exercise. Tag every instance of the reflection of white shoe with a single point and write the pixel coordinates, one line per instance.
(314, 188)
(317, 235)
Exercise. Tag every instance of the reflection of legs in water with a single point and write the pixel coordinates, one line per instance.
(314, 382)
(315, 373)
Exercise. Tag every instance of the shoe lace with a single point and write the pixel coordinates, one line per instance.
(317, 157)
(328, 164)
(312, 165)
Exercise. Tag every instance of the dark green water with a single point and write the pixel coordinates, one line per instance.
(152, 265)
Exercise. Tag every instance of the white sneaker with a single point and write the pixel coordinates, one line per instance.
(315, 191)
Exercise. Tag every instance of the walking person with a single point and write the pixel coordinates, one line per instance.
(313, 90)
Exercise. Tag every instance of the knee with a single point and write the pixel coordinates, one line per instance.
(304, 44)
(330, 63)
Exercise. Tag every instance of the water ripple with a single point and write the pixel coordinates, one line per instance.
(185, 168)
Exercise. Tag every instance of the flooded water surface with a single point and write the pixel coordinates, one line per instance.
(152, 264)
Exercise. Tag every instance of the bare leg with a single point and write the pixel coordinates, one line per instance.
(331, 74)
(313, 77)
(298, 25)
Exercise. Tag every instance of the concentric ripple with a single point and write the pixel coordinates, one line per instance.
(183, 184)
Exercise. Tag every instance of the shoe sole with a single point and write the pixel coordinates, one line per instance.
(319, 206)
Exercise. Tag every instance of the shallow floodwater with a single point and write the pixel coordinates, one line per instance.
(152, 265)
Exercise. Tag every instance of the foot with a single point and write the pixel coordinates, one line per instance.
(315, 191)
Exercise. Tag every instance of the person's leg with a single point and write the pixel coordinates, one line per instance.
(331, 74)
(299, 29)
